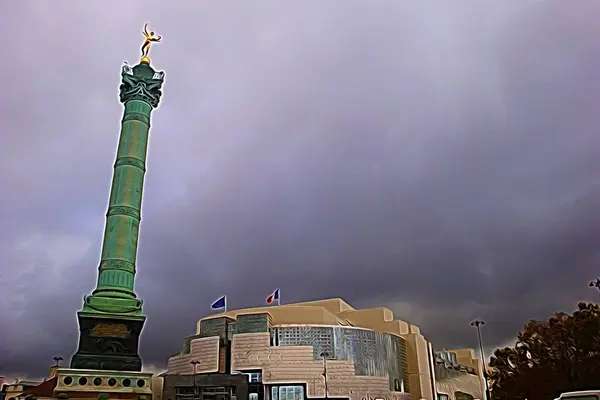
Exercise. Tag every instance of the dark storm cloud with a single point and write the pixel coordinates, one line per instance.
(438, 160)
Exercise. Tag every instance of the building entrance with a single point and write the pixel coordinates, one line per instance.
(216, 393)
(206, 393)
(205, 387)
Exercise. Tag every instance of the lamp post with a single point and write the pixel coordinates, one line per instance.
(194, 364)
(478, 324)
(325, 355)
(57, 360)
(595, 283)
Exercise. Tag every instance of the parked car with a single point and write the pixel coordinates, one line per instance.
(581, 395)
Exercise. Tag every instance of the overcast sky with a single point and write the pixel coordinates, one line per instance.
(438, 158)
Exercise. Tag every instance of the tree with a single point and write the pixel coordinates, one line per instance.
(558, 355)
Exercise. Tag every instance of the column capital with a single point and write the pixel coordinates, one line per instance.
(141, 82)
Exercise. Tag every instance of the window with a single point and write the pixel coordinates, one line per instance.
(287, 393)
(253, 396)
(442, 396)
(255, 377)
(274, 337)
(452, 357)
(398, 386)
(320, 338)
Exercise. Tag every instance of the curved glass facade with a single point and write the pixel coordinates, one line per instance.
(372, 353)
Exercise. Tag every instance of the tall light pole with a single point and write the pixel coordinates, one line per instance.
(478, 324)
(595, 283)
(325, 355)
(194, 364)
(57, 360)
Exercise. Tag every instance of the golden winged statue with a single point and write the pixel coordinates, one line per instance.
(149, 39)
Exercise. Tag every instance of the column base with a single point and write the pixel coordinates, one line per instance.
(117, 303)
(112, 363)
(108, 342)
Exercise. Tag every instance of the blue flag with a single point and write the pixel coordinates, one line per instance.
(220, 303)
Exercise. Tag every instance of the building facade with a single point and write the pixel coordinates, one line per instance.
(11, 391)
(457, 375)
(66, 383)
(326, 349)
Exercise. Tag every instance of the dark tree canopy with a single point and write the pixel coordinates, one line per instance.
(550, 357)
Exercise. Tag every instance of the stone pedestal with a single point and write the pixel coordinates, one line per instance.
(103, 385)
(108, 343)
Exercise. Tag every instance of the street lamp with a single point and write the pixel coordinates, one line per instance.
(478, 324)
(57, 360)
(194, 364)
(595, 283)
(325, 355)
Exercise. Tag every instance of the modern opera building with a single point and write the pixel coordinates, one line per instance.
(317, 349)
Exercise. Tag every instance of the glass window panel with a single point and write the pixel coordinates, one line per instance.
(274, 393)
(289, 392)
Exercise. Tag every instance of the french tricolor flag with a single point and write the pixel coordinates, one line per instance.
(273, 297)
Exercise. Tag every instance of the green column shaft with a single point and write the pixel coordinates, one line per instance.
(119, 250)
(140, 92)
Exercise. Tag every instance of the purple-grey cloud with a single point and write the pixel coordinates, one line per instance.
(440, 160)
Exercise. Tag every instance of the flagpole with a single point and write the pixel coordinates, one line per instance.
(225, 304)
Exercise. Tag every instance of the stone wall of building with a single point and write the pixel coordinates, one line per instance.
(419, 375)
(464, 383)
(458, 372)
(202, 349)
(297, 364)
(157, 387)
